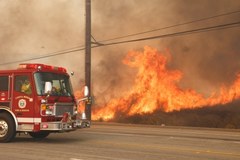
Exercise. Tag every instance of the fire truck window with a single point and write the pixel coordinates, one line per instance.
(61, 85)
(22, 84)
(3, 83)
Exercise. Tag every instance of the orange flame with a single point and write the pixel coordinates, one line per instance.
(156, 87)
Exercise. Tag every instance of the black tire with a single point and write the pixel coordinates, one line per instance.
(39, 135)
(7, 127)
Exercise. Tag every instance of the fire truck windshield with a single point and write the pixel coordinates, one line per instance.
(61, 85)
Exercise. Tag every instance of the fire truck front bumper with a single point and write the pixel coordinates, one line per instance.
(64, 126)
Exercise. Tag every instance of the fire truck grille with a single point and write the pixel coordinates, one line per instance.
(61, 108)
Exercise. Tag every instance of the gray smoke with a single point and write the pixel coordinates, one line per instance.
(35, 28)
(32, 28)
(207, 60)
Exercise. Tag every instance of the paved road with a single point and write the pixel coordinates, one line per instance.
(123, 142)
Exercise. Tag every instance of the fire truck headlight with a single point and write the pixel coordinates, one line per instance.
(49, 112)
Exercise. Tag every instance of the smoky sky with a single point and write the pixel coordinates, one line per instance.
(207, 60)
(32, 28)
(35, 28)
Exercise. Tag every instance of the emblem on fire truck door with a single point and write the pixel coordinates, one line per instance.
(22, 103)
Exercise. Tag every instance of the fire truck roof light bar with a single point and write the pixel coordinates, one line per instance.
(39, 67)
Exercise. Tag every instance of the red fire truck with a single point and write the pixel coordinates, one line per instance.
(37, 99)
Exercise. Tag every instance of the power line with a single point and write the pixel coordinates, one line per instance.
(193, 31)
(173, 26)
(75, 49)
(205, 29)
(163, 28)
(45, 56)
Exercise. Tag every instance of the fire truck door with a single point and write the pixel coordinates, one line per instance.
(22, 99)
(5, 91)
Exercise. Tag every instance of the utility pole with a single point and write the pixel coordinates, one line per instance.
(88, 57)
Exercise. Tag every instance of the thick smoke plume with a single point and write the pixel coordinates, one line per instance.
(31, 28)
(207, 60)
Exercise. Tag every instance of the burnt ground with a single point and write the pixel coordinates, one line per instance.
(219, 116)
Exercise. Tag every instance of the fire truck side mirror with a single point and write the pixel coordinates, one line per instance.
(86, 91)
(48, 87)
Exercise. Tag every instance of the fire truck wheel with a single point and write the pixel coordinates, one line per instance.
(39, 135)
(7, 128)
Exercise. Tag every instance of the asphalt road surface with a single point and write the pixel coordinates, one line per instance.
(127, 142)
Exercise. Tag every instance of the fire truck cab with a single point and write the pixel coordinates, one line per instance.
(37, 99)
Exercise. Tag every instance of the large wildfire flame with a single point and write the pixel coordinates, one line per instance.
(156, 88)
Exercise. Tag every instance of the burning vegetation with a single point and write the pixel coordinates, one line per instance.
(157, 90)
